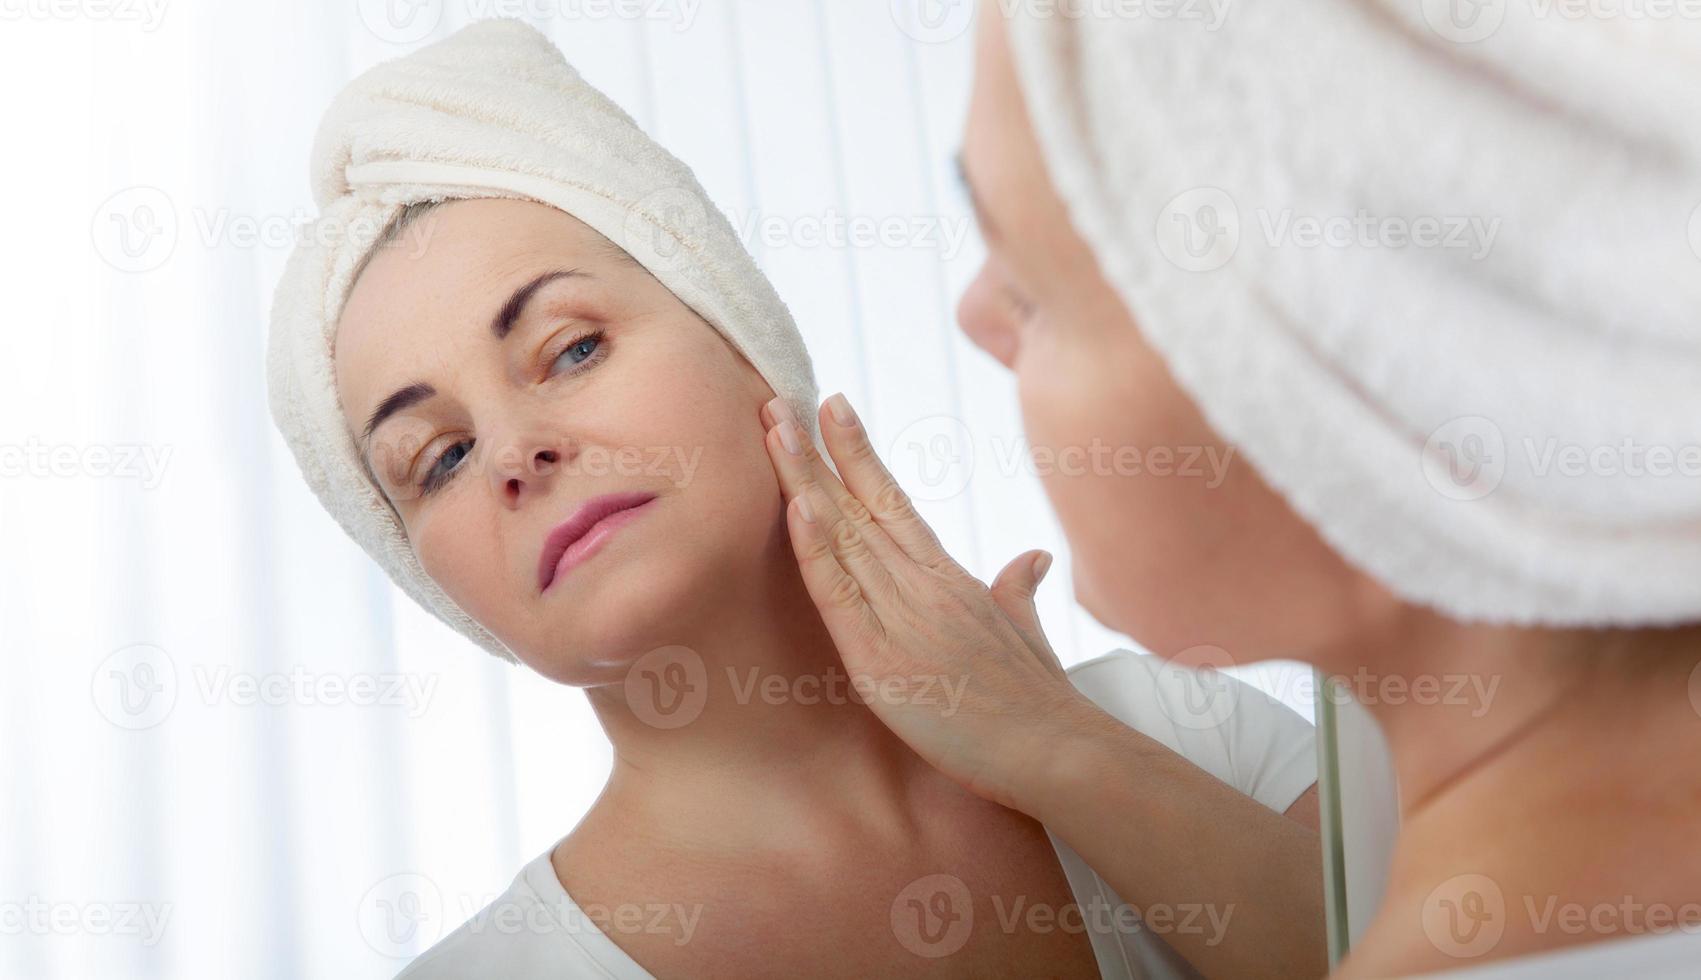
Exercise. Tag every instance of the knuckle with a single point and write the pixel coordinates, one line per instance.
(820, 549)
(853, 509)
(861, 450)
(847, 540)
(845, 593)
(891, 500)
(946, 568)
(808, 453)
(943, 602)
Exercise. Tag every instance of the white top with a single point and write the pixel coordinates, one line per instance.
(1231, 730)
(1655, 956)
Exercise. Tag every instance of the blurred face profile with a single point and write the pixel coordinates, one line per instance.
(523, 372)
(1176, 541)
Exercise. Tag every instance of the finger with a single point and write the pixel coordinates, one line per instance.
(867, 478)
(1013, 590)
(1015, 586)
(844, 608)
(858, 544)
(820, 472)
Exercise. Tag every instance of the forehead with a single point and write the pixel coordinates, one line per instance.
(1000, 155)
(432, 288)
(448, 257)
(1030, 226)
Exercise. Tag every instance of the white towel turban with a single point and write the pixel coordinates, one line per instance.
(1501, 420)
(492, 111)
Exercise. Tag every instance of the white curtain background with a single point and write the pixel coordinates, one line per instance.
(208, 769)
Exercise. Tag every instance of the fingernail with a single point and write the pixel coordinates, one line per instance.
(780, 410)
(1042, 564)
(804, 510)
(841, 410)
(789, 439)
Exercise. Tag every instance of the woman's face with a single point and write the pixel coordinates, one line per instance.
(1175, 555)
(559, 371)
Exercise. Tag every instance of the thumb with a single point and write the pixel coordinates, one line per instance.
(1014, 589)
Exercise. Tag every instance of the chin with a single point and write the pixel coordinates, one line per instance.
(1089, 598)
(1149, 613)
(617, 607)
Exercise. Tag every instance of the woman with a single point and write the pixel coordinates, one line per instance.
(537, 435)
(1133, 179)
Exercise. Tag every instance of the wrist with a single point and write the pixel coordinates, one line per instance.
(1062, 761)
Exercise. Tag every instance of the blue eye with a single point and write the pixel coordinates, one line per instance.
(439, 473)
(581, 350)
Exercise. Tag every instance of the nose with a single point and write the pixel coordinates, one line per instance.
(984, 317)
(524, 463)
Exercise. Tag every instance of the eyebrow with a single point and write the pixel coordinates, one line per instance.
(510, 312)
(501, 325)
(987, 228)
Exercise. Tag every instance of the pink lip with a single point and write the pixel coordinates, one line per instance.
(581, 535)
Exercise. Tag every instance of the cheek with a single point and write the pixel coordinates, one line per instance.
(1092, 419)
(736, 494)
(1176, 540)
(707, 416)
(1137, 479)
(452, 544)
(723, 473)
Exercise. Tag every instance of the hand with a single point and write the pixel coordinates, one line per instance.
(962, 673)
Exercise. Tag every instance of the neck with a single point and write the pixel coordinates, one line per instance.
(753, 714)
(1540, 773)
